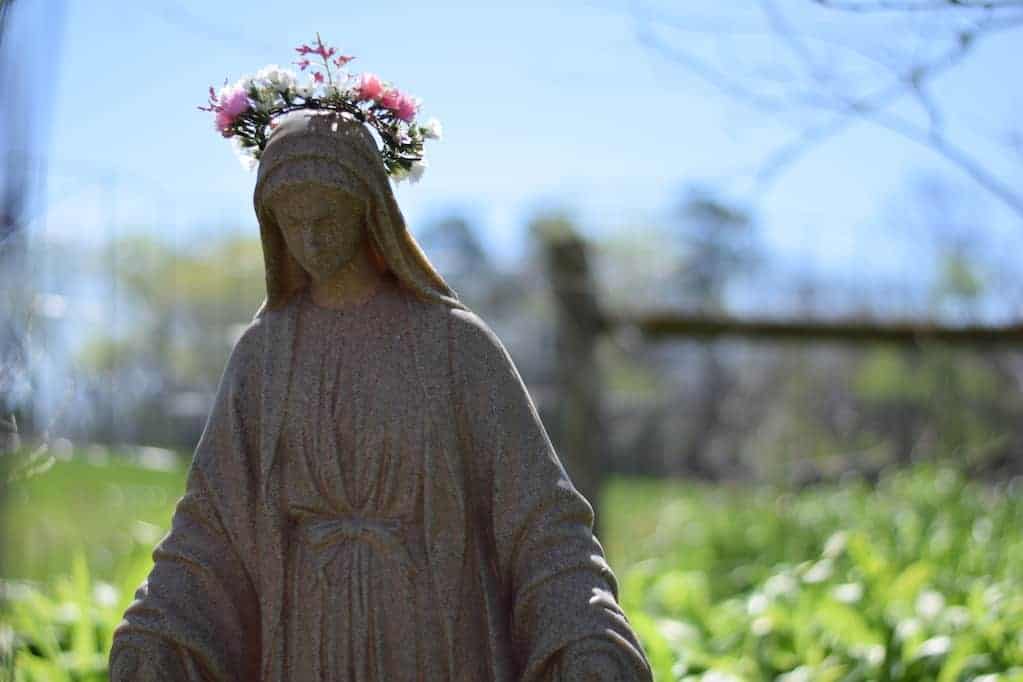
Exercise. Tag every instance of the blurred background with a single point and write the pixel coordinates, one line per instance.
(758, 262)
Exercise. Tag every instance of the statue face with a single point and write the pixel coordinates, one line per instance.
(323, 227)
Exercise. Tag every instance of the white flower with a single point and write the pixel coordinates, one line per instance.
(848, 593)
(835, 544)
(718, 676)
(418, 168)
(907, 628)
(874, 654)
(67, 612)
(104, 594)
(276, 77)
(306, 91)
(936, 646)
(929, 604)
(432, 130)
(819, 572)
(761, 626)
(779, 584)
(757, 604)
(800, 674)
(957, 617)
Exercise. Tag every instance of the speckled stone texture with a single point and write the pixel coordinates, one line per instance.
(374, 496)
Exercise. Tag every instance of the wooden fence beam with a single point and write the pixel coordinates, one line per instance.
(663, 325)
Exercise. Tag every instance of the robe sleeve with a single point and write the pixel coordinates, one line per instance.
(565, 620)
(196, 616)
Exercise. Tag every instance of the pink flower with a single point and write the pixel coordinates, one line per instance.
(342, 60)
(228, 108)
(235, 103)
(303, 64)
(318, 77)
(223, 123)
(304, 49)
(369, 87)
(390, 99)
(406, 108)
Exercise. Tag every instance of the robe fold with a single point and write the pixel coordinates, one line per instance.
(521, 584)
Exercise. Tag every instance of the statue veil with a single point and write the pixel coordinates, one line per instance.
(332, 149)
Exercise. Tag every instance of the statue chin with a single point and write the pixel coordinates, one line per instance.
(323, 270)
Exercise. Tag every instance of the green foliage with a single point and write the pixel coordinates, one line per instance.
(918, 579)
(63, 631)
(98, 503)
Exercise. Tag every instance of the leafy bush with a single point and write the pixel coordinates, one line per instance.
(918, 579)
(62, 631)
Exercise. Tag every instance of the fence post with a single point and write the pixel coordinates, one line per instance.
(578, 418)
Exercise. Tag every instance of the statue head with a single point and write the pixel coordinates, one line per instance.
(323, 226)
(322, 194)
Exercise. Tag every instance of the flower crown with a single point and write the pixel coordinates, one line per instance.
(246, 110)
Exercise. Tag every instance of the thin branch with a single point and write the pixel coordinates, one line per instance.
(934, 5)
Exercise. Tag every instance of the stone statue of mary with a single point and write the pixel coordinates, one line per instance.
(374, 496)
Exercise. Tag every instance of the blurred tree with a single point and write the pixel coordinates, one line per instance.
(187, 307)
(717, 248)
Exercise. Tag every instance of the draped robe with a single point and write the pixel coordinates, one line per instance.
(521, 584)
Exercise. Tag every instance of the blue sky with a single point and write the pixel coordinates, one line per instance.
(542, 104)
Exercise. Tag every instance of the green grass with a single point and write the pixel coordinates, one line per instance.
(918, 579)
(102, 508)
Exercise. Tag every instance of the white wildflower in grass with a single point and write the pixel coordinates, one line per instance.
(676, 631)
(757, 604)
(67, 612)
(956, 617)
(719, 676)
(930, 604)
(800, 674)
(6, 640)
(874, 654)
(835, 544)
(432, 130)
(907, 628)
(104, 594)
(146, 533)
(936, 646)
(761, 626)
(848, 593)
(780, 584)
(818, 572)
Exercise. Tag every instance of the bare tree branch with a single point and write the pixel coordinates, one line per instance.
(922, 6)
(831, 96)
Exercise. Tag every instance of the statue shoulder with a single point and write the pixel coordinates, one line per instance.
(474, 344)
(246, 359)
